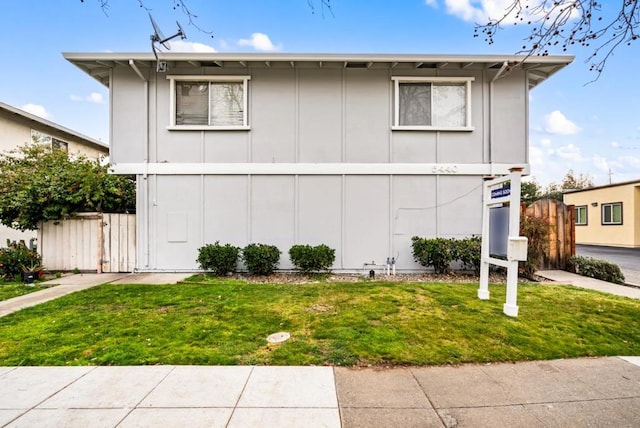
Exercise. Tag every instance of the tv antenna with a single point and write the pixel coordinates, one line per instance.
(159, 38)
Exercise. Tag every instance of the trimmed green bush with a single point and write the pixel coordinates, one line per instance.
(261, 259)
(435, 252)
(310, 259)
(218, 259)
(468, 252)
(16, 259)
(595, 268)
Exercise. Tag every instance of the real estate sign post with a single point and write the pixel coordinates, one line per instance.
(500, 193)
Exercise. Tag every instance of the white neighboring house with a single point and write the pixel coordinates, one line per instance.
(360, 152)
(18, 127)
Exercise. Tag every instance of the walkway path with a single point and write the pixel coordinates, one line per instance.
(563, 277)
(577, 392)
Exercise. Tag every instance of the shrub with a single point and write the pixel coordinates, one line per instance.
(537, 232)
(595, 268)
(16, 259)
(468, 251)
(435, 252)
(261, 259)
(312, 259)
(218, 259)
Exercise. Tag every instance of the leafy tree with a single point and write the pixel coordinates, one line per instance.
(38, 184)
(530, 191)
(567, 24)
(569, 182)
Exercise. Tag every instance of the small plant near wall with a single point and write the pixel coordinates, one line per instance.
(435, 252)
(218, 259)
(308, 259)
(596, 268)
(16, 260)
(261, 259)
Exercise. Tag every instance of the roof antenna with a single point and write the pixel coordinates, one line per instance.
(158, 37)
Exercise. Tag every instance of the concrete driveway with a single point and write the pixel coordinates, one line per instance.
(627, 258)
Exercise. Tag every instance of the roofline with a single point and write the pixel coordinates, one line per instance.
(539, 68)
(32, 117)
(604, 186)
(286, 57)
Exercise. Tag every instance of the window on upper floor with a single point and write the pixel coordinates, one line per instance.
(432, 103)
(581, 215)
(612, 213)
(209, 102)
(55, 143)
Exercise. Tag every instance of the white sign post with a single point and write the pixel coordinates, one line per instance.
(497, 192)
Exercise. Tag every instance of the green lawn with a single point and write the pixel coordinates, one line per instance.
(9, 290)
(227, 322)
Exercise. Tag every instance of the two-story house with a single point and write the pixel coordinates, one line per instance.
(359, 152)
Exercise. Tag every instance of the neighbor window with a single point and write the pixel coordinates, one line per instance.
(38, 137)
(438, 103)
(612, 213)
(581, 215)
(209, 102)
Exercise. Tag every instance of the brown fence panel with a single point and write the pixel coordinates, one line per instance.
(561, 240)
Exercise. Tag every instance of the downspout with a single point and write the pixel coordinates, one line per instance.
(145, 194)
(499, 74)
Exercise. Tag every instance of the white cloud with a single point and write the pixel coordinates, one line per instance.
(37, 110)
(432, 3)
(569, 152)
(615, 144)
(480, 11)
(182, 46)
(93, 97)
(545, 142)
(259, 42)
(556, 123)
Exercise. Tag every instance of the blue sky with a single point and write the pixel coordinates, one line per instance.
(590, 128)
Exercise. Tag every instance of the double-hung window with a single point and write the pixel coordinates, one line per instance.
(209, 102)
(612, 213)
(581, 215)
(432, 103)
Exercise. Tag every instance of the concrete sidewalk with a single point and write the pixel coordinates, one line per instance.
(568, 278)
(72, 283)
(577, 392)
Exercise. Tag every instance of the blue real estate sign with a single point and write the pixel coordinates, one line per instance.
(501, 192)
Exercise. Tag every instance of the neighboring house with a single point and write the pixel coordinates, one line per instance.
(17, 128)
(359, 152)
(607, 215)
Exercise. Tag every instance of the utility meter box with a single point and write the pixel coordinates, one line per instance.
(517, 248)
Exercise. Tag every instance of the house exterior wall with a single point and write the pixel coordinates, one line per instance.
(594, 232)
(309, 115)
(15, 131)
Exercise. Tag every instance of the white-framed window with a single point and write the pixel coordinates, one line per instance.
(581, 215)
(432, 103)
(55, 143)
(209, 102)
(612, 213)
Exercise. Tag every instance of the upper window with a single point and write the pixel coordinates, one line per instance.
(55, 143)
(612, 213)
(209, 102)
(581, 215)
(432, 103)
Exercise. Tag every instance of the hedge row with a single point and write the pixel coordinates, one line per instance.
(263, 259)
(439, 253)
(595, 268)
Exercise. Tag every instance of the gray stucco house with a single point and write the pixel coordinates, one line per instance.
(359, 152)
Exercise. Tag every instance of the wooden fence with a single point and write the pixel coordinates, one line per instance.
(90, 242)
(562, 236)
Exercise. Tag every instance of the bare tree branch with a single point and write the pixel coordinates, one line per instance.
(566, 23)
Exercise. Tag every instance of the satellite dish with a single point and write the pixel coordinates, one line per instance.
(158, 37)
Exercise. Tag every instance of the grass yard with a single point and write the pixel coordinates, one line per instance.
(227, 322)
(9, 290)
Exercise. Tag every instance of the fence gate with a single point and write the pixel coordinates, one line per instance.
(562, 235)
(89, 242)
